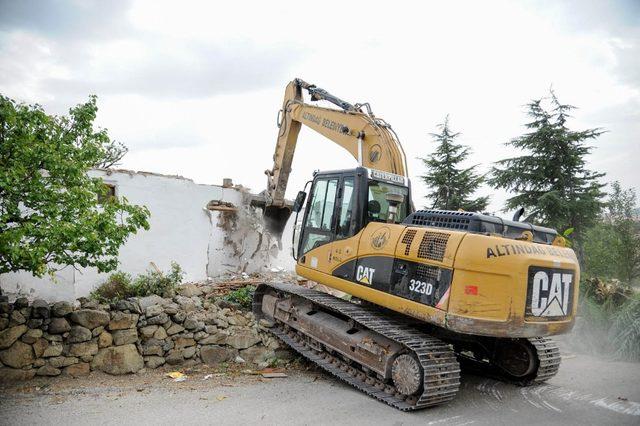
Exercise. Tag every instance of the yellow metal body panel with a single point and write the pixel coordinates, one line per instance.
(488, 291)
(395, 303)
(343, 251)
(498, 269)
(379, 239)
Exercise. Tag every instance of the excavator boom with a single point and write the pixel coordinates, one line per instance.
(369, 139)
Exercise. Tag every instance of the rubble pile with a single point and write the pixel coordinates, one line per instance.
(73, 339)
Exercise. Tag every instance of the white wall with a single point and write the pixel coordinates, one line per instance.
(181, 230)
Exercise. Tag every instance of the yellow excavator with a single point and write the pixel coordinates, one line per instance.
(432, 291)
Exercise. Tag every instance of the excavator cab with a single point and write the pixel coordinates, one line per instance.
(343, 202)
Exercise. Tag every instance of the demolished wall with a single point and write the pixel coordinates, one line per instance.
(242, 244)
(204, 242)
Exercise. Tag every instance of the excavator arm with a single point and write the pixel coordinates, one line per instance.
(369, 139)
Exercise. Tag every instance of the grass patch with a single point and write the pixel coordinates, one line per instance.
(242, 296)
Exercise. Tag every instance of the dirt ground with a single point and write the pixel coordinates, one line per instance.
(587, 390)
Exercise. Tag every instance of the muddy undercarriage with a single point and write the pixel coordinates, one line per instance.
(388, 356)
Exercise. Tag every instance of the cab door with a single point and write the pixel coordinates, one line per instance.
(344, 247)
(318, 229)
(330, 231)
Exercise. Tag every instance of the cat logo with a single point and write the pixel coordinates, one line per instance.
(379, 238)
(549, 293)
(364, 274)
(375, 153)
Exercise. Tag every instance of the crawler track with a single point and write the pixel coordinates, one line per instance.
(548, 355)
(440, 369)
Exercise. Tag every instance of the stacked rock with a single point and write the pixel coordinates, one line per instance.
(45, 339)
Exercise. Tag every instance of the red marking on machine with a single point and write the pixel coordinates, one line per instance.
(471, 290)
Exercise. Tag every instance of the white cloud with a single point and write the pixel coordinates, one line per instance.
(193, 87)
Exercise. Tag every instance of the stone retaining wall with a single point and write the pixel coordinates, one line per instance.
(45, 339)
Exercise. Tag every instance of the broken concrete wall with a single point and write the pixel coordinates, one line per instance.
(241, 243)
(182, 230)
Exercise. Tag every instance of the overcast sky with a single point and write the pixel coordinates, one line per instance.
(193, 88)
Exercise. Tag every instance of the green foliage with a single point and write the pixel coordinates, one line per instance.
(117, 287)
(610, 325)
(120, 286)
(242, 296)
(625, 330)
(620, 214)
(611, 294)
(113, 153)
(609, 322)
(566, 234)
(612, 246)
(609, 307)
(452, 186)
(276, 362)
(157, 282)
(599, 255)
(49, 213)
(550, 179)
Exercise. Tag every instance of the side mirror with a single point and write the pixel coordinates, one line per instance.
(299, 202)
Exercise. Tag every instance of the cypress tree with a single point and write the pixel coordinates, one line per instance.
(551, 180)
(451, 186)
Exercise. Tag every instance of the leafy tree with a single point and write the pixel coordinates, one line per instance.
(550, 179)
(612, 246)
(113, 153)
(599, 256)
(49, 211)
(452, 186)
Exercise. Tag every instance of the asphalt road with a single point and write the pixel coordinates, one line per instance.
(586, 391)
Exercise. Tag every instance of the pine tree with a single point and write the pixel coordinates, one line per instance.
(452, 186)
(551, 180)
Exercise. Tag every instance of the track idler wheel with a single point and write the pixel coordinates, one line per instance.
(406, 374)
(516, 357)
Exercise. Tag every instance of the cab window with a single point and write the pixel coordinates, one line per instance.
(317, 230)
(347, 204)
(378, 206)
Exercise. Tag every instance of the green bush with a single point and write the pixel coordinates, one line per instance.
(610, 313)
(117, 286)
(625, 330)
(120, 286)
(157, 282)
(242, 296)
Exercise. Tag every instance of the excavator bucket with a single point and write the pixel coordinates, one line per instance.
(275, 217)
